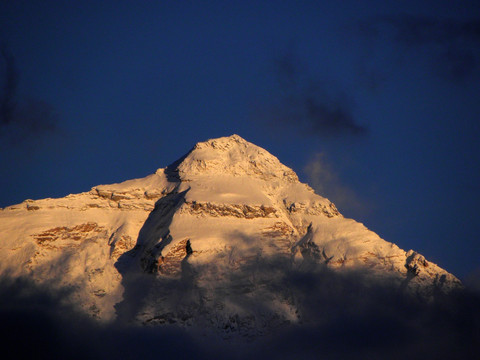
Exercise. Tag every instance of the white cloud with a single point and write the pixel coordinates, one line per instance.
(326, 182)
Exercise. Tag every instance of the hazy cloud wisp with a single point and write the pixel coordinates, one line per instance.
(453, 45)
(21, 118)
(326, 182)
(309, 106)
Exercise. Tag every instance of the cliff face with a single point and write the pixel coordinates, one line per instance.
(184, 244)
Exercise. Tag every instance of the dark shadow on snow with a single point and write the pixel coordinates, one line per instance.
(135, 265)
(171, 171)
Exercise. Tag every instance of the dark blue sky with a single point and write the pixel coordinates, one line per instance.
(375, 105)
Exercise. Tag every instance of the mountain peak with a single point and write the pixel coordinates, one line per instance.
(232, 156)
(225, 225)
(225, 141)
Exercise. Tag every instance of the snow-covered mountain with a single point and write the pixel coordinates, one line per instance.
(203, 241)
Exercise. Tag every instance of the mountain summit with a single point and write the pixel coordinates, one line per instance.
(231, 155)
(209, 240)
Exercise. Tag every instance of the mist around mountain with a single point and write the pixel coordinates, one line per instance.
(222, 254)
(347, 320)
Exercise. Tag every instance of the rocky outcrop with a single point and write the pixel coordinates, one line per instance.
(236, 210)
(63, 236)
(317, 208)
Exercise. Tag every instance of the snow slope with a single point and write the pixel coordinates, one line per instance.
(188, 241)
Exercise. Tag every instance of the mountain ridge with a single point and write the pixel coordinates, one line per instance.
(235, 205)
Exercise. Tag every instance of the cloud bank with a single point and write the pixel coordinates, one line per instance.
(343, 315)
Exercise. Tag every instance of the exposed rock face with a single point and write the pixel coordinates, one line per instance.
(219, 210)
(217, 226)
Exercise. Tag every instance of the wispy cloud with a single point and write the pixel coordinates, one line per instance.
(21, 118)
(7, 104)
(326, 182)
(307, 105)
(419, 30)
(453, 45)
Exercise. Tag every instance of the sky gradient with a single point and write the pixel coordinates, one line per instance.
(374, 105)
